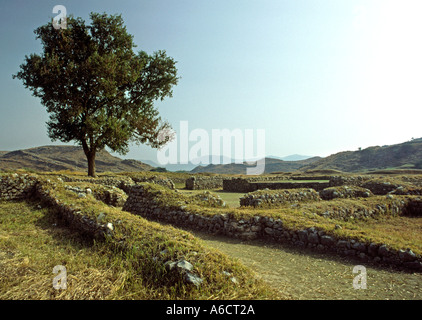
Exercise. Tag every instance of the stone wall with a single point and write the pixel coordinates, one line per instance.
(310, 177)
(345, 192)
(413, 208)
(348, 180)
(286, 185)
(279, 197)
(376, 185)
(236, 185)
(17, 187)
(111, 196)
(120, 182)
(260, 227)
(380, 185)
(144, 203)
(106, 181)
(73, 216)
(245, 185)
(204, 183)
(360, 211)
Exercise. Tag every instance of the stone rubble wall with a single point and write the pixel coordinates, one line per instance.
(73, 216)
(237, 185)
(106, 181)
(245, 185)
(286, 185)
(17, 187)
(216, 182)
(111, 196)
(204, 183)
(269, 199)
(336, 181)
(24, 186)
(381, 185)
(345, 192)
(121, 182)
(413, 208)
(376, 185)
(140, 202)
(394, 207)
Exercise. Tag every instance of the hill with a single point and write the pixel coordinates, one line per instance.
(271, 165)
(53, 158)
(404, 155)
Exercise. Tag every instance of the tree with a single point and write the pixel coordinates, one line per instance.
(97, 90)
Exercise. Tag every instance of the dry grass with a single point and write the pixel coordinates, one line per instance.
(33, 241)
(399, 232)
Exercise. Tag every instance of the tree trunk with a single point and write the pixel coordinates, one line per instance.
(91, 163)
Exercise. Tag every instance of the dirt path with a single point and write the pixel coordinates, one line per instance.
(307, 275)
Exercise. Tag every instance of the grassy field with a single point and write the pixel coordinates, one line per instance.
(34, 240)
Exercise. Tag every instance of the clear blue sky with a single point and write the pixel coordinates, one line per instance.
(320, 76)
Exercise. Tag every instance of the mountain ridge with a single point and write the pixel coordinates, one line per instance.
(402, 155)
(406, 155)
(63, 157)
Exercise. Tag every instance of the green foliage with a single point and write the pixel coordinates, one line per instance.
(98, 91)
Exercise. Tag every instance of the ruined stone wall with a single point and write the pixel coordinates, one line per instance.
(269, 199)
(286, 185)
(142, 203)
(17, 187)
(245, 185)
(236, 185)
(261, 227)
(345, 192)
(204, 183)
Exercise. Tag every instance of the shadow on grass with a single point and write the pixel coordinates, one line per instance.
(59, 229)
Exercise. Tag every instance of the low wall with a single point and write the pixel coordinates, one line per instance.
(24, 187)
(111, 196)
(236, 185)
(143, 203)
(345, 192)
(244, 185)
(279, 197)
(286, 185)
(17, 187)
(118, 182)
(203, 183)
(413, 208)
(348, 180)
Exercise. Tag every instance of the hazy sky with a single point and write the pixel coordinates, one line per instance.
(320, 76)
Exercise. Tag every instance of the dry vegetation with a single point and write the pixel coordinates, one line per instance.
(34, 239)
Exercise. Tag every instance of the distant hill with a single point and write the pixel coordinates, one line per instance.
(292, 157)
(404, 155)
(206, 160)
(54, 158)
(271, 165)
